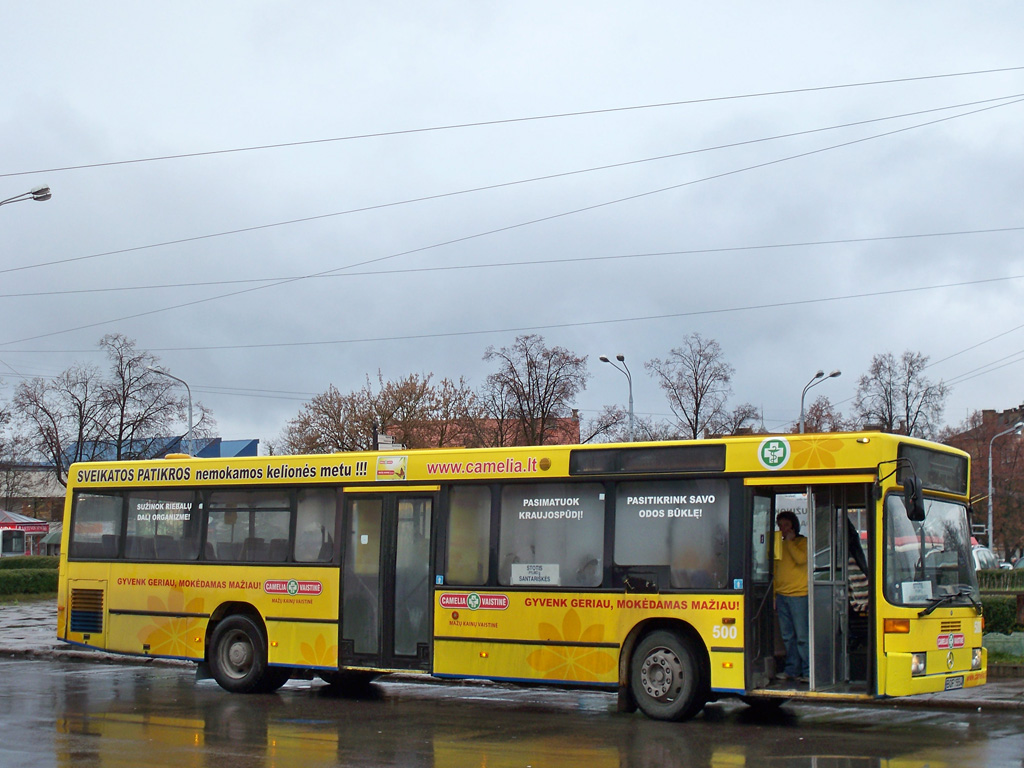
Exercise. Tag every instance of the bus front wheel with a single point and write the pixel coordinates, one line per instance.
(665, 677)
(238, 657)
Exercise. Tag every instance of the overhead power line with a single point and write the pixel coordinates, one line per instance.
(501, 185)
(504, 121)
(298, 395)
(511, 227)
(548, 326)
(975, 346)
(531, 263)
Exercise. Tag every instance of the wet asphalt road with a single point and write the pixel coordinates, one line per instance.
(62, 707)
(81, 714)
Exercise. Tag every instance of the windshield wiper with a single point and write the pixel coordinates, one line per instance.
(936, 602)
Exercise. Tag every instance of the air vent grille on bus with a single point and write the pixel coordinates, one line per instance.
(950, 626)
(87, 610)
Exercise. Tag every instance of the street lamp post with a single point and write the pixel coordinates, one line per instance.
(816, 379)
(38, 193)
(188, 435)
(625, 371)
(1018, 428)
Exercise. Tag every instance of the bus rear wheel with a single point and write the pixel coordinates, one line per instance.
(665, 677)
(238, 658)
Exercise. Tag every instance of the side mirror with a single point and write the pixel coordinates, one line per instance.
(912, 499)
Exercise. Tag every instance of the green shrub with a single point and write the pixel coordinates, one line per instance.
(33, 562)
(1001, 614)
(27, 581)
(1002, 580)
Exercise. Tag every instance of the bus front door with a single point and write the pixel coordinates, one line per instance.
(833, 518)
(761, 619)
(838, 516)
(385, 596)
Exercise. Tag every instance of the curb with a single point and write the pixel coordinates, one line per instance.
(1003, 671)
(72, 654)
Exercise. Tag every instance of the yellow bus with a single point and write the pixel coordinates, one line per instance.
(644, 569)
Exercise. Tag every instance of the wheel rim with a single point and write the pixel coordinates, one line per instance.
(661, 675)
(237, 654)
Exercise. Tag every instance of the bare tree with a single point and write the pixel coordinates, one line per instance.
(534, 385)
(412, 410)
(898, 396)
(14, 451)
(741, 419)
(974, 435)
(328, 423)
(65, 416)
(455, 413)
(141, 406)
(611, 425)
(696, 380)
(406, 409)
(822, 416)
(498, 425)
(80, 415)
(648, 428)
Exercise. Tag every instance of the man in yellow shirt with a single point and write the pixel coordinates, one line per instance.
(791, 597)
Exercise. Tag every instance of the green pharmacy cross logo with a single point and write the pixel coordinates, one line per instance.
(293, 587)
(773, 453)
(473, 601)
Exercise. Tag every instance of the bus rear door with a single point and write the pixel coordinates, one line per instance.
(386, 581)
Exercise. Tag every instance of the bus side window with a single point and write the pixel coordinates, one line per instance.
(314, 526)
(679, 524)
(242, 523)
(552, 535)
(162, 525)
(469, 535)
(96, 516)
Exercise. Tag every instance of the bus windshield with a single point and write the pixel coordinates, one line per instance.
(930, 560)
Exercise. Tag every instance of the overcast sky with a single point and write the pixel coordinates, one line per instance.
(738, 169)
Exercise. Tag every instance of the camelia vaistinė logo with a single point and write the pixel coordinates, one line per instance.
(292, 587)
(774, 452)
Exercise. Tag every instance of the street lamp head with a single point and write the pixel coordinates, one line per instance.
(815, 380)
(1018, 428)
(624, 370)
(41, 193)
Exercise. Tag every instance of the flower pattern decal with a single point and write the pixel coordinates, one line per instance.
(319, 654)
(169, 635)
(563, 662)
(816, 453)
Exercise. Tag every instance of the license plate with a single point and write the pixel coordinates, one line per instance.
(954, 683)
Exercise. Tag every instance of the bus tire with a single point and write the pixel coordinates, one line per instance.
(274, 678)
(238, 657)
(349, 684)
(665, 677)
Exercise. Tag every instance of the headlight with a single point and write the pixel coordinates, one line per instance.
(976, 658)
(918, 666)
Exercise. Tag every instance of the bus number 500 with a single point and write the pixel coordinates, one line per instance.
(724, 633)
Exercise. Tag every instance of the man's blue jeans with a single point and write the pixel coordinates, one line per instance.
(793, 623)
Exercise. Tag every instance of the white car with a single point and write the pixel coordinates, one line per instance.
(984, 559)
